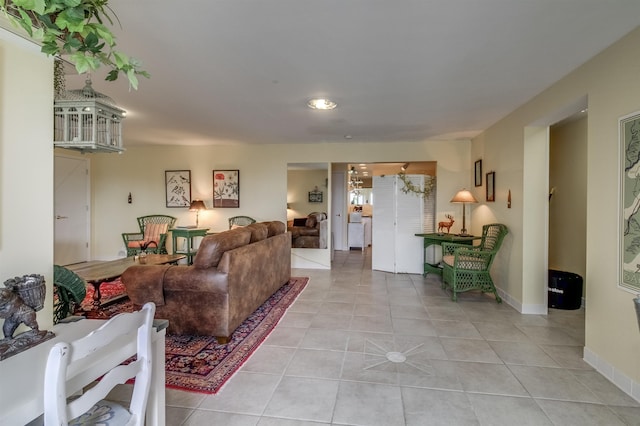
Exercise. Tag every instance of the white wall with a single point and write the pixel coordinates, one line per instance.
(611, 81)
(299, 184)
(26, 164)
(568, 206)
(263, 180)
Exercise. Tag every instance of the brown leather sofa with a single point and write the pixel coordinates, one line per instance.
(309, 232)
(233, 273)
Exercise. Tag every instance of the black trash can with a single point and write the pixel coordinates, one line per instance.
(565, 290)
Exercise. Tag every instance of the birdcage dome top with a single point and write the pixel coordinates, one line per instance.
(85, 94)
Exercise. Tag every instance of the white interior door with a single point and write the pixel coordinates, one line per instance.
(409, 221)
(383, 240)
(338, 211)
(71, 208)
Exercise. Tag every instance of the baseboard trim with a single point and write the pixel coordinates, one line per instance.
(615, 376)
(529, 309)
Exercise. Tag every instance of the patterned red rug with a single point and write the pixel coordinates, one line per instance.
(108, 291)
(200, 364)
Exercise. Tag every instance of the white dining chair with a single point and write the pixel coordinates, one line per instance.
(81, 373)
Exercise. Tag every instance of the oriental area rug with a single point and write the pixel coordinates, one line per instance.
(200, 364)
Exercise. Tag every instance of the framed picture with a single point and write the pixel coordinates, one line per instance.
(629, 209)
(478, 173)
(178, 188)
(491, 186)
(315, 196)
(226, 188)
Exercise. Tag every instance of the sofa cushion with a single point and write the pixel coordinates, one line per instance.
(275, 228)
(311, 221)
(301, 221)
(259, 231)
(308, 232)
(152, 231)
(145, 284)
(214, 246)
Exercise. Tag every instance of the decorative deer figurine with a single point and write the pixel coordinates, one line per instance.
(448, 225)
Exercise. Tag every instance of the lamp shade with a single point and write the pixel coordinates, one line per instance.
(197, 205)
(464, 196)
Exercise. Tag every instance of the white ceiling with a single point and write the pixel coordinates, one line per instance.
(240, 71)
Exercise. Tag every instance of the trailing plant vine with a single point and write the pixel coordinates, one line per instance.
(409, 187)
(75, 28)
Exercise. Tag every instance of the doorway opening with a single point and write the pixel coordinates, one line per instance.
(354, 201)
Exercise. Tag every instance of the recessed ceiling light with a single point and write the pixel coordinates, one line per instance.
(321, 104)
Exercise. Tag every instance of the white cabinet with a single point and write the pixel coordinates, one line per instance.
(399, 217)
(368, 222)
(356, 235)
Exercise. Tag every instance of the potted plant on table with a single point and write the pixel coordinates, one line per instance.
(75, 28)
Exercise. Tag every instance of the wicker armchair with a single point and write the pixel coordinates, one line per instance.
(69, 291)
(152, 237)
(469, 268)
(240, 221)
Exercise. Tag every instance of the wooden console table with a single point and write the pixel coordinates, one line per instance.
(95, 273)
(189, 234)
(437, 239)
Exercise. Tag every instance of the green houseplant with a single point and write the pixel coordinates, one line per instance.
(75, 28)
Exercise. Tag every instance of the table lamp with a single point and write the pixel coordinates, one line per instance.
(464, 196)
(196, 206)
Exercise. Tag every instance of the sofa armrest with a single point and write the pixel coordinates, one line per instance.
(145, 283)
(324, 231)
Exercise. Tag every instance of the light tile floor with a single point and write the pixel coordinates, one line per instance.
(363, 347)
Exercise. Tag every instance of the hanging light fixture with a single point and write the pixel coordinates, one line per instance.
(87, 121)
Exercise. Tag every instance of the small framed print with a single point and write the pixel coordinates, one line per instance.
(491, 186)
(315, 196)
(226, 188)
(178, 188)
(478, 173)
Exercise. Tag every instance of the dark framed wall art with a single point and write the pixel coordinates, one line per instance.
(478, 173)
(629, 208)
(226, 188)
(491, 186)
(315, 196)
(178, 188)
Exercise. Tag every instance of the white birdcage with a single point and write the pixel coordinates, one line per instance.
(87, 121)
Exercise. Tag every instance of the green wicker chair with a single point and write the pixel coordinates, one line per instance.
(469, 268)
(152, 237)
(69, 292)
(241, 221)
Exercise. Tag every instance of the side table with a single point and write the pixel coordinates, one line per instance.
(188, 234)
(437, 239)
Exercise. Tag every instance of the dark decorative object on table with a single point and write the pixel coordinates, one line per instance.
(448, 224)
(19, 301)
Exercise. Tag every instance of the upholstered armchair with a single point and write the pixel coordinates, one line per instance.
(152, 237)
(469, 267)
